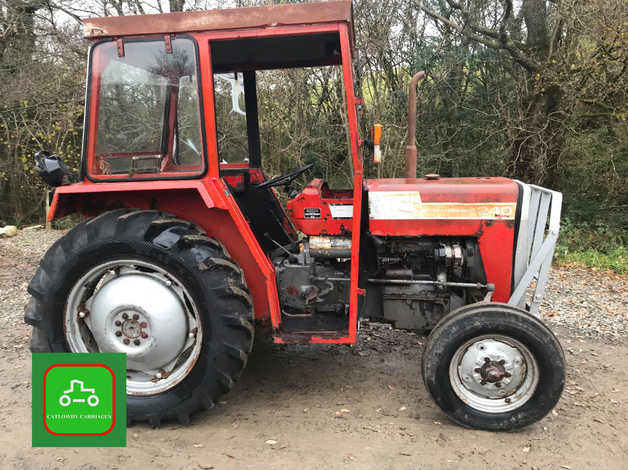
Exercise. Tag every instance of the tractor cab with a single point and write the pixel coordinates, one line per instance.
(185, 105)
(169, 103)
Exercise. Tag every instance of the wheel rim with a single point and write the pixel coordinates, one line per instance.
(494, 373)
(140, 309)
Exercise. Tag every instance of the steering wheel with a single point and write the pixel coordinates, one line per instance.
(285, 179)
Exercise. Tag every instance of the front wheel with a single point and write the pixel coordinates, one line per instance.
(153, 287)
(493, 366)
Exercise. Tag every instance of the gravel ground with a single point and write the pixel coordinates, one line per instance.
(19, 258)
(588, 303)
(339, 407)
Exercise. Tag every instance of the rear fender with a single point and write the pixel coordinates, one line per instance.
(207, 203)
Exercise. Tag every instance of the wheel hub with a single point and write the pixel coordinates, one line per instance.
(141, 316)
(493, 373)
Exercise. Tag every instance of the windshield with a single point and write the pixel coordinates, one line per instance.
(148, 120)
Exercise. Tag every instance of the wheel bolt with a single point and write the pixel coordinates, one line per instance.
(125, 316)
(118, 323)
(118, 333)
(136, 317)
(126, 341)
(143, 335)
(136, 342)
(143, 324)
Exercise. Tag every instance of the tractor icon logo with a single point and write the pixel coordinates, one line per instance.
(65, 399)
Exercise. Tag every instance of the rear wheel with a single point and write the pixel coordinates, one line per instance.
(493, 366)
(156, 288)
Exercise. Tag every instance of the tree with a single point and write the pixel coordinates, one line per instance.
(542, 38)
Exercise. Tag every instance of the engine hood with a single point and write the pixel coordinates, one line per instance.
(442, 199)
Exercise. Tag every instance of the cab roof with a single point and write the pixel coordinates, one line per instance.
(220, 20)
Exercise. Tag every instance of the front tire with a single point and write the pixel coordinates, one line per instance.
(493, 366)
(155, 287)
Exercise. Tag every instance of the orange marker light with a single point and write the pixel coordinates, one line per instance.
(377, 137)
(377, 133)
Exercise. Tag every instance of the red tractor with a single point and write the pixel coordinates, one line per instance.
(184, 250)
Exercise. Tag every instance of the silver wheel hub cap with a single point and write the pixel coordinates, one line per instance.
(138, 308)
(140, 316)
(494, 373)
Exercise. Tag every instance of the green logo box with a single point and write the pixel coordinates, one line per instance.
(79, 400)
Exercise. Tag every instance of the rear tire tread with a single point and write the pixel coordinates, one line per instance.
(126, 225)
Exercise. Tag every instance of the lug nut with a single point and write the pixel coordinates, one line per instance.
(136, 342)
(118, 333)
(143, 324)
(126, 341)
(118, 323)
(125, 316)
(136, 316)
(143, 335)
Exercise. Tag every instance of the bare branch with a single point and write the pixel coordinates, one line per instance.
(483, 35)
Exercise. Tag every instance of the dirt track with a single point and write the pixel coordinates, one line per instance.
(362, 407)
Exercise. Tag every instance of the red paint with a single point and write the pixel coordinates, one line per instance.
(347, 69)
(489, 189)
(207, 203)
(317, 195)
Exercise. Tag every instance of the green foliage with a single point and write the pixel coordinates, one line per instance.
(593, 175)
(596, 245)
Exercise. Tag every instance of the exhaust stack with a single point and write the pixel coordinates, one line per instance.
(411, 147)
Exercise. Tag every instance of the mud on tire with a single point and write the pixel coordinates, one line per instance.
(213, 282)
